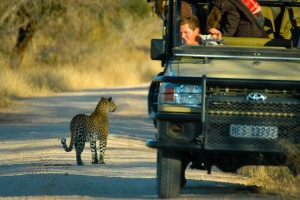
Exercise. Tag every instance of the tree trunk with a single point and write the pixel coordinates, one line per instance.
(24, 37)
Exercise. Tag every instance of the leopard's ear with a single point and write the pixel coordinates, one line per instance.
(102, 98)
(110, 98)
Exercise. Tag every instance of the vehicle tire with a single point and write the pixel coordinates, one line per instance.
(169, 167)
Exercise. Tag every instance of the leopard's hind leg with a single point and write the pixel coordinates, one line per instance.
(79, 146)
(94, 152)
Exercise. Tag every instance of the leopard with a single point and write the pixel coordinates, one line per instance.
(91, 128)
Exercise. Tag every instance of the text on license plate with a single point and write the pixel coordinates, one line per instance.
(250, 131)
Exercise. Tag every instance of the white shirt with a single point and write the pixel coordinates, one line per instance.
(207, 40)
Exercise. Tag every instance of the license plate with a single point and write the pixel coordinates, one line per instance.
(250, 131)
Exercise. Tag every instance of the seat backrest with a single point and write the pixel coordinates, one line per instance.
(290, 24)
(269, 21)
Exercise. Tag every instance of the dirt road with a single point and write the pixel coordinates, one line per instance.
(33, 164)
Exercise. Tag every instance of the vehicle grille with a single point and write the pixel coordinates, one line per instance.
(223, 111)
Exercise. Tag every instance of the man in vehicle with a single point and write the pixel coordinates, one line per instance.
(190, 33)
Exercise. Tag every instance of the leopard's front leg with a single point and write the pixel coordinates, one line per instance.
(102, 144)
(94, 152)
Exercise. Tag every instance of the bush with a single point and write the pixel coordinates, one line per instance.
(76, 45)
(137, 7)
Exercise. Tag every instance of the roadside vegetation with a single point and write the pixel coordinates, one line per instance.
(66, 45)
(279, 179)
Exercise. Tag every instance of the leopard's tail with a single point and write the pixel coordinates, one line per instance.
(64, 143)
(72, 129)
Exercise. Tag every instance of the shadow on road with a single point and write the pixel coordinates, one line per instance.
(219, 190)
(76, 185)
(71, 185)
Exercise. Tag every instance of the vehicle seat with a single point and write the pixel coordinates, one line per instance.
(269, 21)
(290, 25)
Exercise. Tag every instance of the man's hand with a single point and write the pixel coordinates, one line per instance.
(215, 33)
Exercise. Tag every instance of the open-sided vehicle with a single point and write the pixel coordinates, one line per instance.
(227, 106)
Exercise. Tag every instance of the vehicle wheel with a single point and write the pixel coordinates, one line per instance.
(168, 174)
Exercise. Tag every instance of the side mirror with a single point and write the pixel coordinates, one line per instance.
(157, 49)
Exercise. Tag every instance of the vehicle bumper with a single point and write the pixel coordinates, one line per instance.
(157, 144)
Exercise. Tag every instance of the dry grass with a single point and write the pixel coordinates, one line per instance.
(278, 178)
(91, 44)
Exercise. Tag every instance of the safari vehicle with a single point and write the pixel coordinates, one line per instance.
(227, 106)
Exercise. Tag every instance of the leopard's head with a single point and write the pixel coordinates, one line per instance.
(107, 105)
